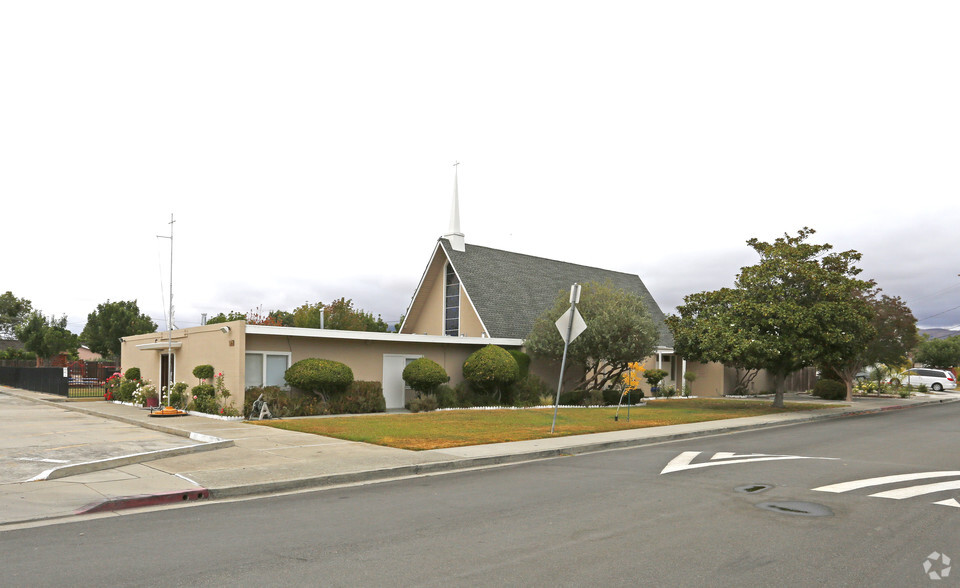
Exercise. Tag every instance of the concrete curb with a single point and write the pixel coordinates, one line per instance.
(125, 502)
(125, 460)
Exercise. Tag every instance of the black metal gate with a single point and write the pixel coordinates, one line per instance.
(88, 379)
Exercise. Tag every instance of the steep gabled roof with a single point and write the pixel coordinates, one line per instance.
(510, 290)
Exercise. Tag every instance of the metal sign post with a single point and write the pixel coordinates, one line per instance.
(570, 325)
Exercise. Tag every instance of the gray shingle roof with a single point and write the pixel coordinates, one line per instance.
(510, 290)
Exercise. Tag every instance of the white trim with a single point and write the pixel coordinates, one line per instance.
(374, 336)
(464, 288)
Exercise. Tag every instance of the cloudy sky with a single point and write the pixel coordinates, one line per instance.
(305, 149)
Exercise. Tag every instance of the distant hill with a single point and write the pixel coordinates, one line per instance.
(938, 333)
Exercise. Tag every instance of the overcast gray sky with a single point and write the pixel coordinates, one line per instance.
(305, 148)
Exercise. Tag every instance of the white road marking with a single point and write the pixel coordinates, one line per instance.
(43, 459)
(949, 502)
(867, 482)
(911, 491)
(685, 459)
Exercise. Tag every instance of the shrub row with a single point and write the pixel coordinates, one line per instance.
(359, 397)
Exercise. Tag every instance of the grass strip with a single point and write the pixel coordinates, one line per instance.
(441, 429)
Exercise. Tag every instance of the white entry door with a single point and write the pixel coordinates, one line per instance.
(393, 385)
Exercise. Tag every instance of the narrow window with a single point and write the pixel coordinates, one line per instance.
(451, 309)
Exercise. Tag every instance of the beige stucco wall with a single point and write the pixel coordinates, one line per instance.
(207, 344)
(426, 314)
(365, 358)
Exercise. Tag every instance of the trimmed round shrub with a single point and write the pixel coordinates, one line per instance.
(491, 366)
(424, 375)
(132, 374)
(830, 390)
(320, 376)
(203, 372)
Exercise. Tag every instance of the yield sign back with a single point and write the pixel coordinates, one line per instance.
(563, 323)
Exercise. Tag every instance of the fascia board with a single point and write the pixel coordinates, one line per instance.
(416, 292)
(375, 336)
(465, 291)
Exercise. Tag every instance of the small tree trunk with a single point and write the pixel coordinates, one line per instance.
(780, 381)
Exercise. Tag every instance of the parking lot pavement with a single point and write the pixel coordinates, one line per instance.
(38, 437)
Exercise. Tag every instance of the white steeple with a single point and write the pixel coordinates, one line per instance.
(453, 233)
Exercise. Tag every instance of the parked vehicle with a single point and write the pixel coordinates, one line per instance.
(932, 378)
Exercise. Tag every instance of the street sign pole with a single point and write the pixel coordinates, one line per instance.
(567, 337)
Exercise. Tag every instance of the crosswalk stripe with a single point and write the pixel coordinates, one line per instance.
(911, 491)
(866, 483)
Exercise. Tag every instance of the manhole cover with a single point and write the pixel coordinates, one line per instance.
(803, 509)
(753, 488)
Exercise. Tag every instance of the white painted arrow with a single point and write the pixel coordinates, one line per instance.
(684, 461)
(949, 502)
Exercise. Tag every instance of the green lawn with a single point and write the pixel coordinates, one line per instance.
(436, 430)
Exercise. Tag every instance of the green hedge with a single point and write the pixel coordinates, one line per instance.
(830, 390)
(360, 398)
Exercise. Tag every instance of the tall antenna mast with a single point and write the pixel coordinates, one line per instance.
(169, 320)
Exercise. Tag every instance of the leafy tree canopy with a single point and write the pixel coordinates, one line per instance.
(619, 331)
(13, 311)
(339, 314)
(939, 353)
(799, 306)
(46, 337)
(227, 318)
(112, 320)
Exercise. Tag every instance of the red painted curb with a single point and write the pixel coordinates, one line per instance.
(123, 502)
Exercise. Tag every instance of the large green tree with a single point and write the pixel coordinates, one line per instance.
(13, 311)
(112, 320)
(894, 337)
(339, 314)
(799, 306)
(46, 337)
(619, 331)
(939, 353)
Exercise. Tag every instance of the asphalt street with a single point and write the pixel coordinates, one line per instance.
(795, 505)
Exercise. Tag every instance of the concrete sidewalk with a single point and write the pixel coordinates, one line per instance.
(197, 458)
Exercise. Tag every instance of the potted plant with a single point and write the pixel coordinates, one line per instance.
(148, 393)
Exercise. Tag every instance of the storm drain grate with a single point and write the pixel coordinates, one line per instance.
(804, 509)
(753, 488)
